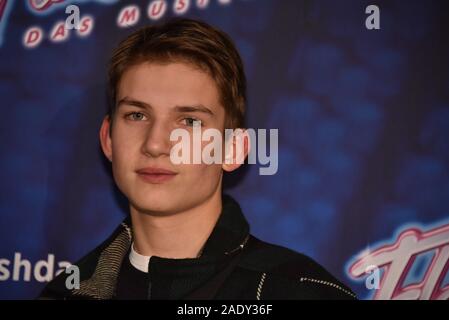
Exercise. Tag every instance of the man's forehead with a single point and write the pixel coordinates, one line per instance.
(170, 73)
(180, 85)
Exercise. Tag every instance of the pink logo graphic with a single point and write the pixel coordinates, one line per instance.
(47, 6)
(398, 258)
(41, 5)
(2, 8)
(5, 8)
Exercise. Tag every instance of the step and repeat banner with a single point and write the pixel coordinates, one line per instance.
(359, 93)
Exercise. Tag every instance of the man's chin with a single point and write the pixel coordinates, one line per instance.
(159, 207)
(158, 203)
(152, 200)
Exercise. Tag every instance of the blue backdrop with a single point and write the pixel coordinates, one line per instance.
(363, 119)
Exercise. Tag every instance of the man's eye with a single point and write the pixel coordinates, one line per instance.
(136, 116)
(192, 122)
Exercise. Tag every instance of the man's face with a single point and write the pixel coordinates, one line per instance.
(154, 99)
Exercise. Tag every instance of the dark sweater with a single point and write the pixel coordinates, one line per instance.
(132, 284)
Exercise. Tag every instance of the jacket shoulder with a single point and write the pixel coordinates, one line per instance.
(57, 288)
(285, 273)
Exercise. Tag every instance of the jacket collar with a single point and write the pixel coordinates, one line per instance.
(228, 236)
(230, 232)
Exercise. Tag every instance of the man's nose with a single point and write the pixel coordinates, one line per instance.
(157, 139)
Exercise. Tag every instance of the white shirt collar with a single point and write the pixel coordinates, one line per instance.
(138, 261)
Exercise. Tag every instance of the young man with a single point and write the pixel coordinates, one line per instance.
(183, 238)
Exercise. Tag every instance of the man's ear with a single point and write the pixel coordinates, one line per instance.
(236, 150)
(105, 138)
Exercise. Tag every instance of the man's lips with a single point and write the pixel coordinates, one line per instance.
(156, 175)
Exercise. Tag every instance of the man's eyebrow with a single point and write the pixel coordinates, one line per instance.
(133, 102)
(194, 108)
(180, 109)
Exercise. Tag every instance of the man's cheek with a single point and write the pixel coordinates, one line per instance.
(208, 172)
(193, 173)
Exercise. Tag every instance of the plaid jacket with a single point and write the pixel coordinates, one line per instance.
(233, 265)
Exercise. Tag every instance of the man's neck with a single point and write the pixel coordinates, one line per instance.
(177, 236)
